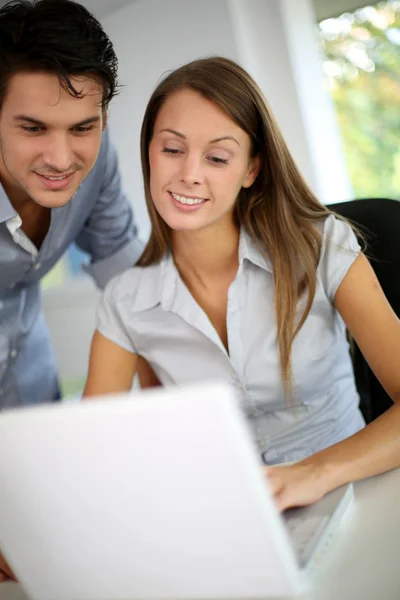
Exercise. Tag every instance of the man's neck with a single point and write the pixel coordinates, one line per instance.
(18, 197)
(35, 221)
(35, 218)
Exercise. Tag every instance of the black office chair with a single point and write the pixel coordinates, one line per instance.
(379, 220)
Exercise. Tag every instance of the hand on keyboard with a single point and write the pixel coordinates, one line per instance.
(296, 485)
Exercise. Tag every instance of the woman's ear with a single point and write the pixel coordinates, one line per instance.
(253, 171)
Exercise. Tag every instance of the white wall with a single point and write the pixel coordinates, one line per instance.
(264, 52)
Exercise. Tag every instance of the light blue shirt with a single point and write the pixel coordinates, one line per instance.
(99, 219)
(149, 311)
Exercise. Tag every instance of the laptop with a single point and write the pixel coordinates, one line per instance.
(153, 495)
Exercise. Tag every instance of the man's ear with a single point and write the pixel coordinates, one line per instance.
(253, 171)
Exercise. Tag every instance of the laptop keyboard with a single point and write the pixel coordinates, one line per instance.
(304, 532)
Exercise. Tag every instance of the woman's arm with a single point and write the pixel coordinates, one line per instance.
(111, 367)
(147, 377)
(375, 449)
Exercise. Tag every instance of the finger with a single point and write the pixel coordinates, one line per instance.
(276, 487)
(283, 501)
(3, 577)
(275, 482)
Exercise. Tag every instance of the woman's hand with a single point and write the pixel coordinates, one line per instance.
(5, 572)
(297, 485)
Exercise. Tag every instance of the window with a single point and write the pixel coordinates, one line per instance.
(362, 70)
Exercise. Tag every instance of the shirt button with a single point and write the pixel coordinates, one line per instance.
(37, 266)
(13, 353)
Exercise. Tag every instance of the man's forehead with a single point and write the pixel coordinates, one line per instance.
(44, 89)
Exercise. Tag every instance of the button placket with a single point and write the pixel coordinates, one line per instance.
(233, 325)
(233, 332)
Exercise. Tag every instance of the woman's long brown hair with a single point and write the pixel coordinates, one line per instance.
(279, 211)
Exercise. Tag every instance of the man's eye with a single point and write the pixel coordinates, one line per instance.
(34, 129)
(82, 129)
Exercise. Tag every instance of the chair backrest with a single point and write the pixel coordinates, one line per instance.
(379, 220)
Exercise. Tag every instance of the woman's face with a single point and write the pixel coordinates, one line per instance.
(199, 161)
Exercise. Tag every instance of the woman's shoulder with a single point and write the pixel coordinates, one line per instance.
(338, 234)
(137, 288)
(339, 250)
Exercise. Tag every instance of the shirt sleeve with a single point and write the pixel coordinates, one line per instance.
(339, 250)
(110, 235)
(110, 320)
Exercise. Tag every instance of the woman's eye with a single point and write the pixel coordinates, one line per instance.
(218, 161)
(171, 151)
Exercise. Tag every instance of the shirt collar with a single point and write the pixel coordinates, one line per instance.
(7, 211)
(168, 281)
(250, 250)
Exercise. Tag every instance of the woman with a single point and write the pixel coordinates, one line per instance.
(248, 278)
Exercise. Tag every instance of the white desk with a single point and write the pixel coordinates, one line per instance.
(363, 562)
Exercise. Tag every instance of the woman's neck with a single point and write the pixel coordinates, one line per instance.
(208, 255)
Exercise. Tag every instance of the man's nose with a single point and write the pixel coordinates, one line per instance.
(58, 155)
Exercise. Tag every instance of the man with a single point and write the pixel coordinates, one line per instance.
(59, 180)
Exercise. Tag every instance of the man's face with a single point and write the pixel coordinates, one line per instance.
(49, 140)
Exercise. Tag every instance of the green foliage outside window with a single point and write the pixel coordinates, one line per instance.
(362, 69)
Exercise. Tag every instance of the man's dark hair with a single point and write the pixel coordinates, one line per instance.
(55, 36)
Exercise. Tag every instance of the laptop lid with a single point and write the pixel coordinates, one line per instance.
(154, 495)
